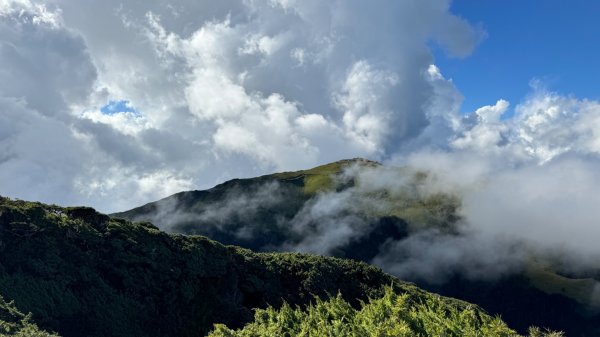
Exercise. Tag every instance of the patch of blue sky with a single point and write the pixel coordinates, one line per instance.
(554, 43)
(118, 106)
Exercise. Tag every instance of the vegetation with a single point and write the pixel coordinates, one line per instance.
(393, 315)
(268, 224)
(15, 323)
(258, 213)
(320, 178)
(580, 290)
(81, 273)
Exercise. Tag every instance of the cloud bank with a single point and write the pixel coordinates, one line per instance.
(225, 90)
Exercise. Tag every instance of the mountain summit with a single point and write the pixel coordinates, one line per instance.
(389, 216)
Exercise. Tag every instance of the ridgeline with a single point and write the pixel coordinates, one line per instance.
(76, 272)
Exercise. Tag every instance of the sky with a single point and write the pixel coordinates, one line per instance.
(114, 104)
(551, 41)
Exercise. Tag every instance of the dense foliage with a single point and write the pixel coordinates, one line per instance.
(15, 323)
(393, 315)
(81, 273)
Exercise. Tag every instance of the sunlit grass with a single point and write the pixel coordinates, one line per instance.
(580, 290)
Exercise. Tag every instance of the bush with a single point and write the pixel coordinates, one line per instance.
(393, 315)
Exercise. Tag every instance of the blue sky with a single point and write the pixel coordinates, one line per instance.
(557, 42)
(117, 106)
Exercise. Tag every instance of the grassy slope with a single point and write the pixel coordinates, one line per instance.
(267, 226)
(81, 273)
(437, 210)
(320, 178)
(585, 291)
(309, 182)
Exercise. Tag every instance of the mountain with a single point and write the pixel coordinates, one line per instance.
(77, 272)
(260, 213)
(357, 209)
(253, 213)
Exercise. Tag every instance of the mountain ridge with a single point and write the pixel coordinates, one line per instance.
(81, 273)
(286, 176)
(273, 221)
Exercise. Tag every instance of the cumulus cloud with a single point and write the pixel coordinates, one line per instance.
(51, 151)
(221, 90)
(528, 188)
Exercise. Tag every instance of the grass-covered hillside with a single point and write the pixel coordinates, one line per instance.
(355, 209)
(275, 212)
(80, 273)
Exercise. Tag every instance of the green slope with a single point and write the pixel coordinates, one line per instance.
(256, 213)
(585, 291)
(320, 178)
(261, 214)
(81, 273)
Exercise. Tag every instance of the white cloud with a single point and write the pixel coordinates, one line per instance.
(128, 123)
(229, 89)
(488, 131)
(545, 126)
(29, 12)
(529, 178)
(364, 100)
